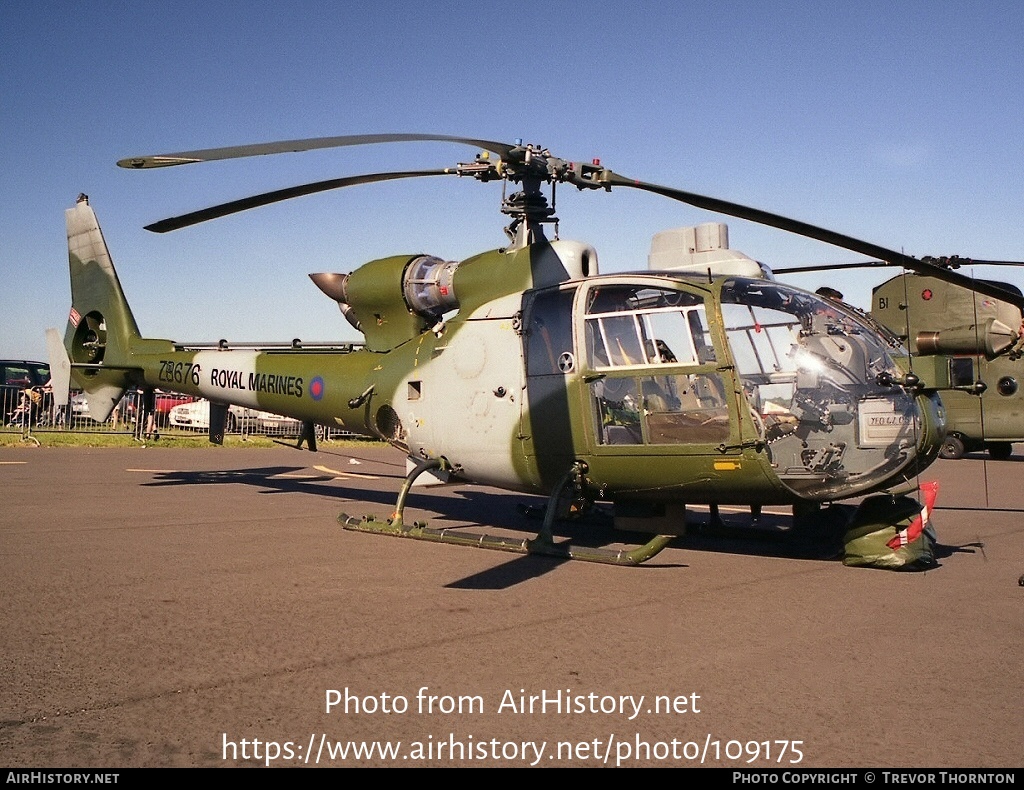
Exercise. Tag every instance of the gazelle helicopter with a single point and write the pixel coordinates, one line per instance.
(703, 381)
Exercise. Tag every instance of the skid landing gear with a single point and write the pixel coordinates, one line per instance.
(569, 488)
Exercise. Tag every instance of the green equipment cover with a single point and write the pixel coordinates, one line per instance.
(893, 532)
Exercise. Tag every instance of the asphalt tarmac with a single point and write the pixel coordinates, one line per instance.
(169, 607)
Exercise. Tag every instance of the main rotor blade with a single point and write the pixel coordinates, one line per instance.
(292, 146)
(821, 234)
(828, 267)
(235, 206)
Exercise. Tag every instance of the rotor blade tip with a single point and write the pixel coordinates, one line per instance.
(147, 162)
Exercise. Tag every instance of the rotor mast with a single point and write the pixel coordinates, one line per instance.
(530, 211)
(528, 166)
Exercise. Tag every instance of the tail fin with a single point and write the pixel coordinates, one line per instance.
(101, 328)
(60, 367)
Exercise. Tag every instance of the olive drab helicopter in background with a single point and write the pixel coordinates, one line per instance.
(702, 381)
(971, 348)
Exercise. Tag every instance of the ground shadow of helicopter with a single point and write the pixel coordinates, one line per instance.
(732, 532)
(463, 507)
(729, 532)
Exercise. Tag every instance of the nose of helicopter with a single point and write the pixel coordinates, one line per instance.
(841, 415)
(889, 441)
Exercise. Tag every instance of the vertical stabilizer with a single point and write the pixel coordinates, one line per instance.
(101, 327)
(60, 367)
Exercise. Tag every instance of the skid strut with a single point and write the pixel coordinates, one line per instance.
(544, 543)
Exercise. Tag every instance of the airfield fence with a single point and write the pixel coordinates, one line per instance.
(28, 412)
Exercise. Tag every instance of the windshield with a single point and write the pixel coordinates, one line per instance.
(810, 371)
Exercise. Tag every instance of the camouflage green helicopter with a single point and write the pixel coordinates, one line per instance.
(971, 348)
(702, 382)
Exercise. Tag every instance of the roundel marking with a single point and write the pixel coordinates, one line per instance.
(316, 388)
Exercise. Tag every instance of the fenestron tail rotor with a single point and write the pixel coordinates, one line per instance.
(533, 166)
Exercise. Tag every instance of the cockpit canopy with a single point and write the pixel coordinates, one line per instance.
(667, 361)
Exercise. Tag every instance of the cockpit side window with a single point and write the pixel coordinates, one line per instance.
(630, 326)
(638, 337)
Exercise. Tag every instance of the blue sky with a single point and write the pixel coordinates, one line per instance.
(898, 123)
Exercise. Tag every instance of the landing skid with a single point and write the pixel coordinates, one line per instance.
(543, 544)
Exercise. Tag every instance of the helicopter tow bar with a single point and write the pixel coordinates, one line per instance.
(543, 543)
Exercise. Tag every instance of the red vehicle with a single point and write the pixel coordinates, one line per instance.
(163, 402)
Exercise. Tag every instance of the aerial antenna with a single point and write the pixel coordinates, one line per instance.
(980, 392)
(910, 364)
